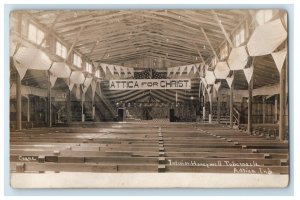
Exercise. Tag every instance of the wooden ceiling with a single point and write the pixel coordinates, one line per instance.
(119, 36)
(148, 39)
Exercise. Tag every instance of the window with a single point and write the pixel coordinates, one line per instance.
(97, 74)
(88, 67)
(239, 36)
(224, 52)
(35, 35)
(77, 60)
(264, 16)
(61, 50)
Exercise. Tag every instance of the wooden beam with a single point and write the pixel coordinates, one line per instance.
(276, 109)
(19, 102)
(264, 109)
(50, 30)
(219, 107)
(222, 28)
(231, 106)
(282, 102)
(200, 55)
(210, 45)
(210, 106)
(49, 103)
(69, 111)
(203, 109)
(93, 48)
(74, 43)
(82, 106)
(28, 109)
(250, 89)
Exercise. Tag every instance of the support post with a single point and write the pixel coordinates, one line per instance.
(264, 109)
(82, 106)
(282, 102)
(19, 102)
(210, 108)
(276, 109)
(250, 88)
(219, 108)
(28, 109)
(49, 103)
(93, 112)
(203, 108)
(69, 114)
(231, 106)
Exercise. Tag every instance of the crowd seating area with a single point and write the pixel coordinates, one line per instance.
(146, 147)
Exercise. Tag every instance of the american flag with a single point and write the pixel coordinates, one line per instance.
(150, 74)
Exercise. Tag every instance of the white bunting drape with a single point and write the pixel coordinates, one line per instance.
(248, 73)
(71, 85)
(52, 80)
(222, 70)
(31, 58)
(195, 69)
(77, 77)
(12, 48)
(238, 58)
(111, 69)
(210, 77)
(175, 70)
(131, 71)
(87, 83)
(217, 86)
(118, 69)
(20, 69)
(124, 70)
(189, 69)
(230, 80)
(266, 38)
(127, 71)
(60, 70)
(279, 58)
(169, 70)
(103, 66)
(181, 69)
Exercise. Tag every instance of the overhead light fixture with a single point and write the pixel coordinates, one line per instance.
(204, 47)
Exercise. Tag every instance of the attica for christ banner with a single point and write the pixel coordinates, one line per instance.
(150, 84)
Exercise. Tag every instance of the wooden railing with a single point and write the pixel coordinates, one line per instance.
(236, 116)
(109, 106)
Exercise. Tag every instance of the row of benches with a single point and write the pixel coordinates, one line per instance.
(129, 147)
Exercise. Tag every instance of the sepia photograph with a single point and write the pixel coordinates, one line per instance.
(154, 98)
